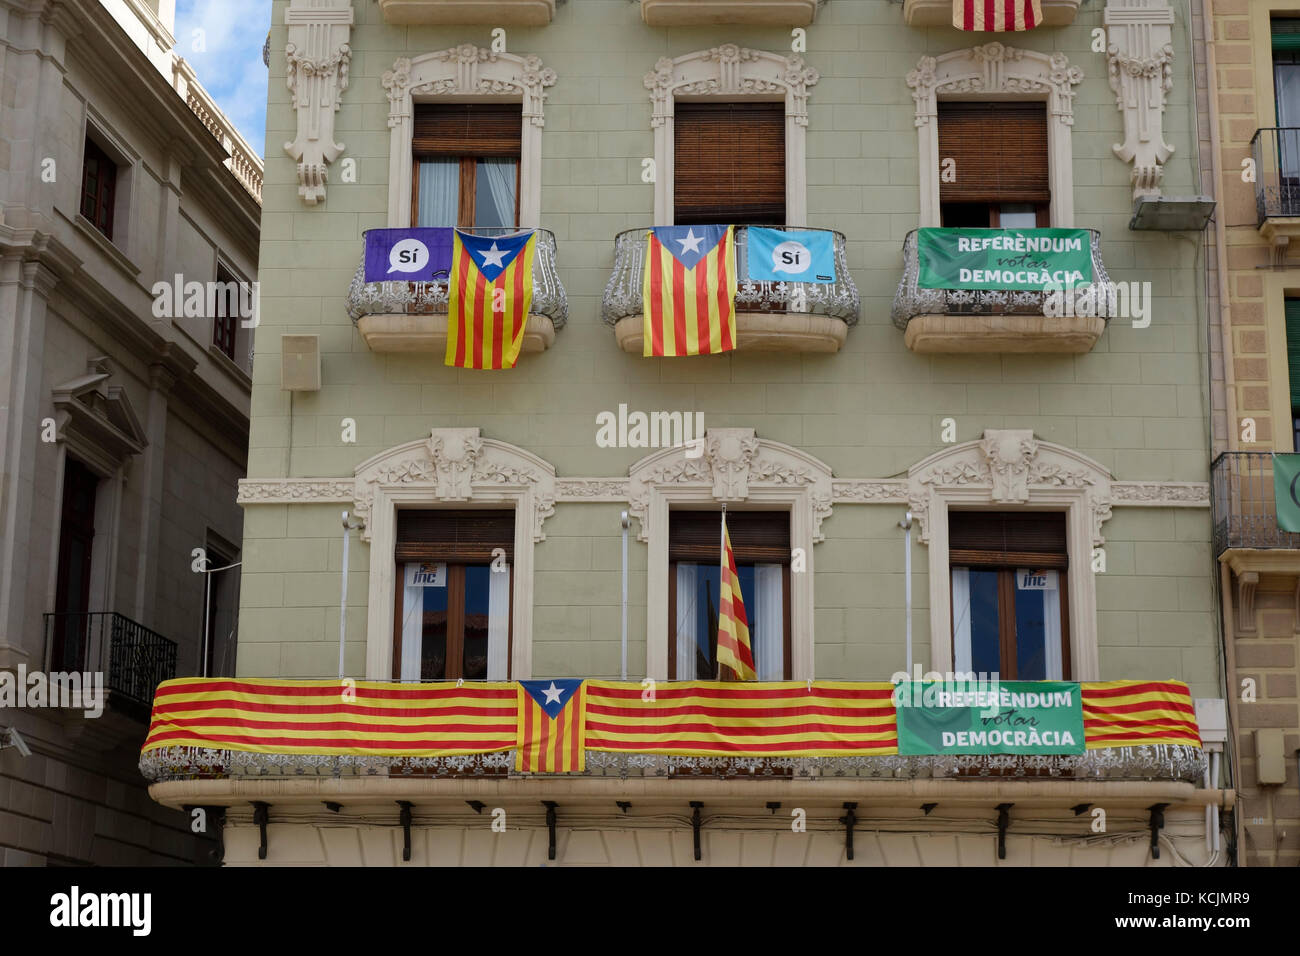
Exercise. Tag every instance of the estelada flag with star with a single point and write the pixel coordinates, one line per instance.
(688, 292)
(552, 726)
(488, 298)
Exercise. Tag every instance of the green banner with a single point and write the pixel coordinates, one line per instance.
(1286, 491)
(1022, 259)
(1011, 717)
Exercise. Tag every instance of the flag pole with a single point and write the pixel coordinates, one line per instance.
(623, 520)
(722, 574)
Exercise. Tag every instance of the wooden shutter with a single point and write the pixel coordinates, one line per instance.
(1007, 538)
(464, 129)
(1000, 151)
(1293, 349)
(468, 536)
(760, 537)
(729, 163)
(1285, 33)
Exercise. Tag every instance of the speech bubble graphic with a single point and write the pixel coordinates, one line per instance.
(409, 255)
(792, 257)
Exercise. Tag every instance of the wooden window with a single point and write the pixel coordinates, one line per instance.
(1010, 608)
(761, 542)
(466, 165)
(729, 163)
(452, 613)
(224, 322)
(998, 174)
(98, 187)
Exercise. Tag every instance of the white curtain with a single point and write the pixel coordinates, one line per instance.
(439, 193)
(961, 620)
(1052, 630)
(412, 630)
(769, 621)
(687, 618)
(498, 623)
(499, 177)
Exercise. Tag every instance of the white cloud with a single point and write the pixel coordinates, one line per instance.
(222, 40)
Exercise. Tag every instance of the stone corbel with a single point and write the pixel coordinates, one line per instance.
(317, 59)
(1247, 582)
(1140, 52)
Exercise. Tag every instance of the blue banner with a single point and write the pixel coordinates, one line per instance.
(408, 255)
(776, 255)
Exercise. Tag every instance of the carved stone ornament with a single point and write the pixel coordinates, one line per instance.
(317, 59)
(1140, 53)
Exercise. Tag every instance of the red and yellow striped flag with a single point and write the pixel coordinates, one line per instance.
(1130, 713)
(688, 290)
(996, 16)
(552, 728)
(489, 296)
(735, 649)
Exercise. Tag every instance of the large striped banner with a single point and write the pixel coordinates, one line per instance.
(685, 718)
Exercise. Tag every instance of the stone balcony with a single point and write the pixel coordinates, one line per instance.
(516, 13)
(938, 13)
(761, 13)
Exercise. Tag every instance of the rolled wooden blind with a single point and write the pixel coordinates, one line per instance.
(1007, 538)
(729, 163)
(1293, 349)
(761, 537)
(465, 129)
(454, 535)
(1000, 151)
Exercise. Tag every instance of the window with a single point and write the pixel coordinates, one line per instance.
(1010, 608)
(998, 177)
(452, 613)
(1286, 86)
(98, 187)
(761, 542)
(1293, 364)
(221, 590)
(729, 163)
(466, 165)
(224, 322)
(76, 543)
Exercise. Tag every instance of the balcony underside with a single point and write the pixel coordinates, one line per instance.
(403, 332)
(518, 13)
(938, 13)
(950, 333)
(759, 13)
(759, 332)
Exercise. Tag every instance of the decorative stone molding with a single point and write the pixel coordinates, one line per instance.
(995, 71)
(96, 420)
(1161, 494)
(1011, 468)
(1140, 53)
(1247, 582)
(312, 491)
(317, 56)
(731, 72)
(459, 71)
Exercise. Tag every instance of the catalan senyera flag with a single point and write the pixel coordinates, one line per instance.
(688, 291)
(552, 726)
(735, 649)
(1130, 713)
(334, 717)
(489, 295)
(996, 16)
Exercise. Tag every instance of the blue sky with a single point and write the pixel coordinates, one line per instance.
(227, 57)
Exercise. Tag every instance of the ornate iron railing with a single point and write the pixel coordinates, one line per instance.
(387, 298)
(838, 299)
(910, 300)
(133, 659)
(1276, 154)
(1245, 515)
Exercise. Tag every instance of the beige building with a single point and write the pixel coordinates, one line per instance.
(1017, 435)
(123, 420)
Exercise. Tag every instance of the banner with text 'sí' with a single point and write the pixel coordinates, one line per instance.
(408, 255)
(779, 255)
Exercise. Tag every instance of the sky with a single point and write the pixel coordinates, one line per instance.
(222, 40)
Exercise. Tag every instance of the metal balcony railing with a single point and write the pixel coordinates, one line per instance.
(133, 659)
(1245, 515)
(838, 299)
(417, 298)
(1276, 152)
(910, 300)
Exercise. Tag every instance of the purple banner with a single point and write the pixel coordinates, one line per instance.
(408, 255)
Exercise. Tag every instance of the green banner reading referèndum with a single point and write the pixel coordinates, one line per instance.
(1013, 717)
(1022, 259)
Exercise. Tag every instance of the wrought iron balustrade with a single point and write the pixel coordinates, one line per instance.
(911, 300)
(1276, 152)
(1245, 514)
(838, 299)
(133, 659)
(417, 298)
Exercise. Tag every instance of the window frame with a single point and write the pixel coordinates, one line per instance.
(92, 151)
(703, 108)
(459, 567)
(230, 320)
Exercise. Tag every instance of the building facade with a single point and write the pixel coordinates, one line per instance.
(1009, 433)
(124, 427)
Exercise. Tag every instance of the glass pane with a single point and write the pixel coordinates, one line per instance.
(1286, 79)
(707, 580)
(477, 580)
(1017, 215)
(985, 640)
(494, 193)
(433, 635)
(439, 197)
(1031, 617)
